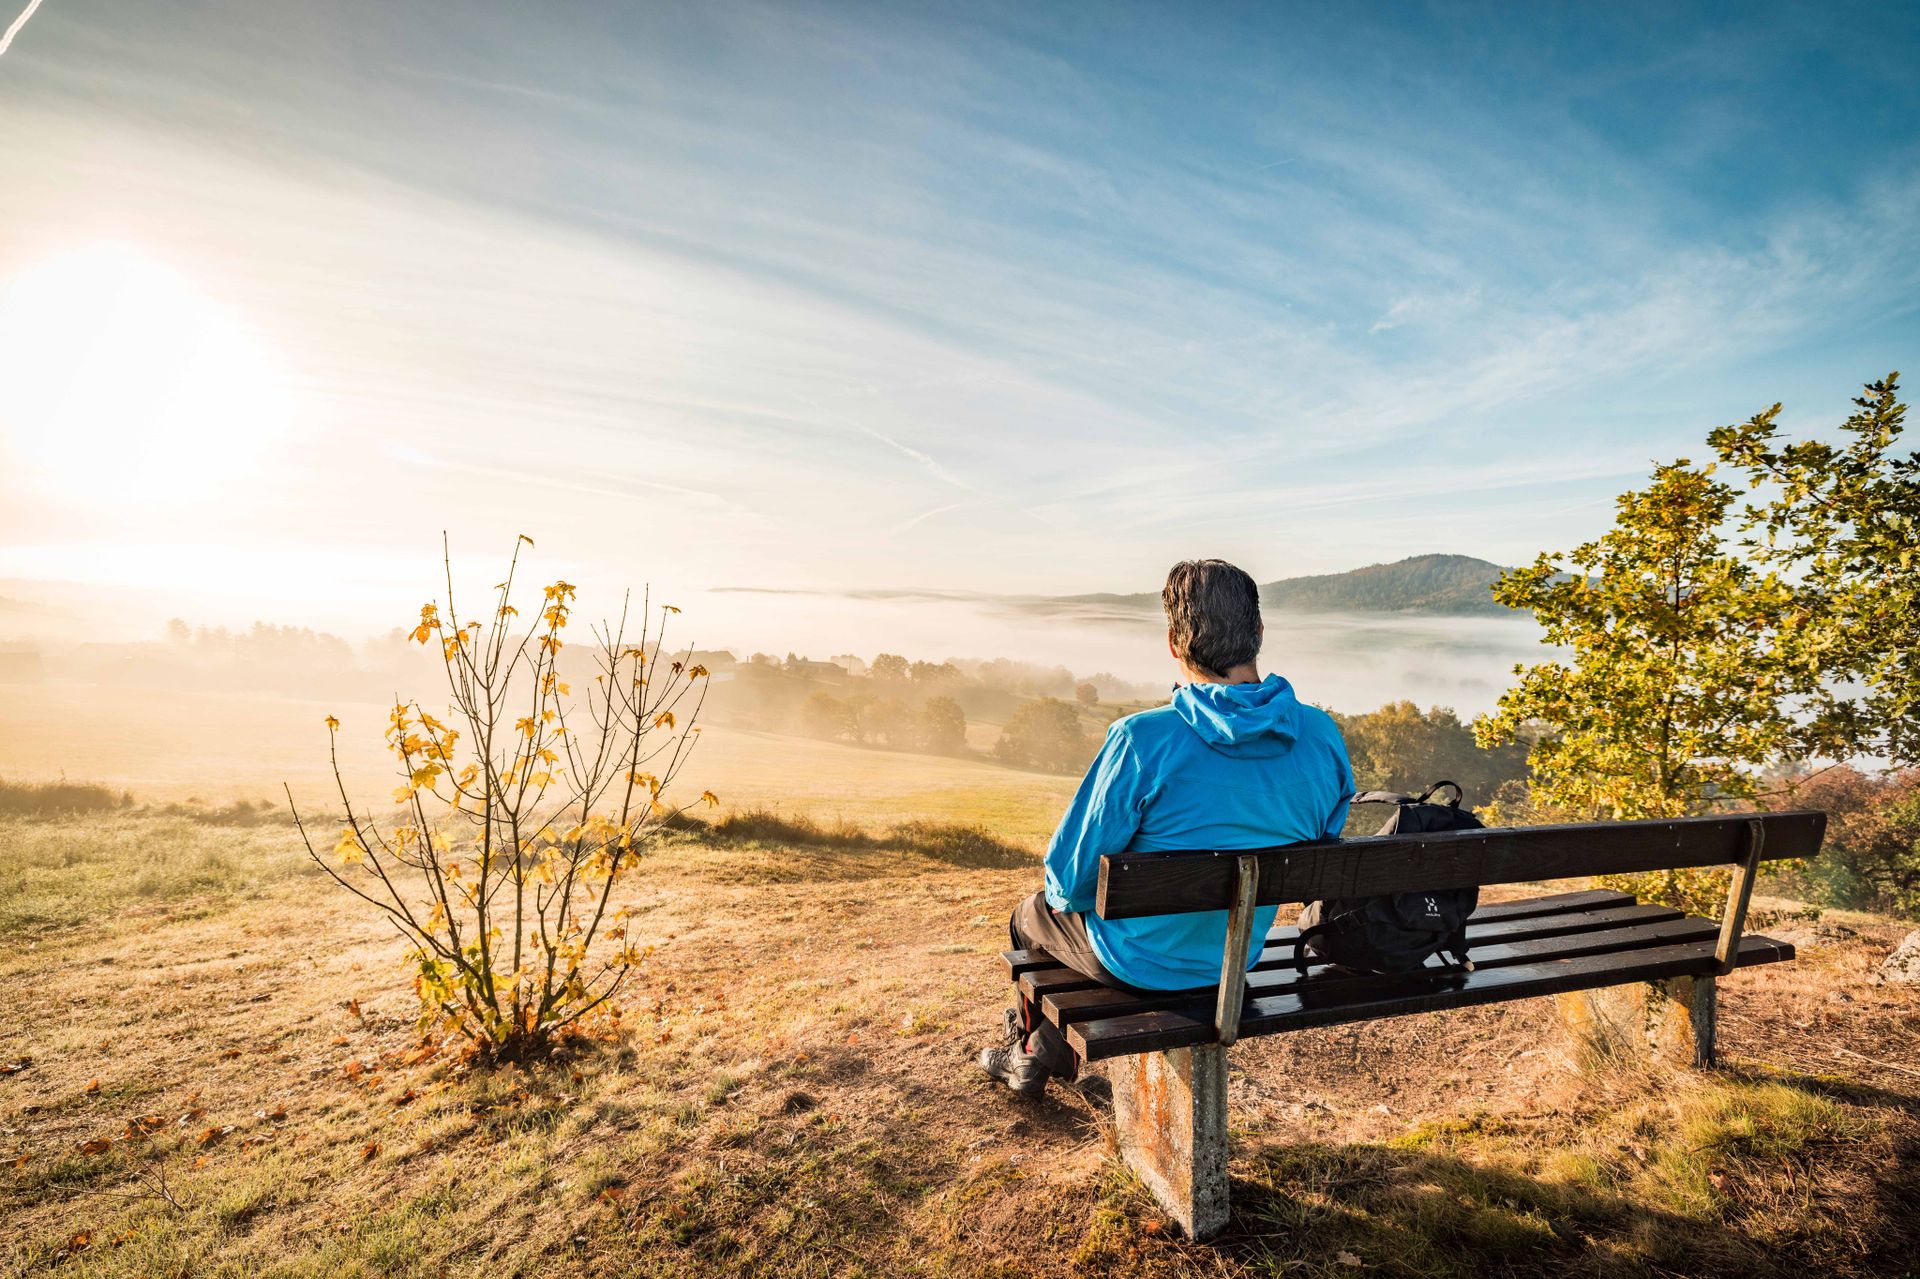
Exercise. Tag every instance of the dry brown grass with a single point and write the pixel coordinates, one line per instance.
(793, 1095)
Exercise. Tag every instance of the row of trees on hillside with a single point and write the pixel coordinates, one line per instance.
(937, 725)
(896, 703)
(1724, 652)
(1050, 734)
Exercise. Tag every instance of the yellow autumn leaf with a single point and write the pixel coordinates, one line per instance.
(332, 724)
(710, 799)
(663, 720)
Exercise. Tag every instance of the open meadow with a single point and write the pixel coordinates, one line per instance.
(177, 746)
(211, 1068)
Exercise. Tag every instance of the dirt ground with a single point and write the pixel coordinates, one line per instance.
(229, 1083)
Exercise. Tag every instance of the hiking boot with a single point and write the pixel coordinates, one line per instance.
(1050, 1048)
(1010, 1027)
(1025, 1062)
(1015, 1067)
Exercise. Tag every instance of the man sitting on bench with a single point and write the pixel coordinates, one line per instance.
(1233, 761)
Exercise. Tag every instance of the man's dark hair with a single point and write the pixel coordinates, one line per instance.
(1213, 611)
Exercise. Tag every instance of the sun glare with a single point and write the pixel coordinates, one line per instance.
(120, 382)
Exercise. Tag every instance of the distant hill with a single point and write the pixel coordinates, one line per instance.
(1456, 585)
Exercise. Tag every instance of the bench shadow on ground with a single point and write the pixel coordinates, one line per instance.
(1409, 1207)
(1421, 1212)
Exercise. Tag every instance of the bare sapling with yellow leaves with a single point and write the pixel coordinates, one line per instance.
(521, 814)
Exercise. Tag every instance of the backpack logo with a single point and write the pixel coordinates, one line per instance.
(1433, 907)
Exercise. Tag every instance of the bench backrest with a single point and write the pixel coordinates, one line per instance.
(1137, 884)
(1133, 885)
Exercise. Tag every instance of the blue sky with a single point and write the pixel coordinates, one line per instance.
(979, 297)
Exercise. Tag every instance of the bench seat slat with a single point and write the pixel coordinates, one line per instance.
(1515, 929)
(1367, 999)
(1037, 983)
(1093, 1002)
(1551, 904)
(1025, 961)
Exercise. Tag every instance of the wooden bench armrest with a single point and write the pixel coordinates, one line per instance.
(1734, 917)
(1233, 963)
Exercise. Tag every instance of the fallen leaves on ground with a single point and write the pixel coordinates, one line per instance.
(141, 1127)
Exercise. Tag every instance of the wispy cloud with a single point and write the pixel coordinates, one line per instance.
(931, 464)
(924, 516)
(1076, 307)
(6, 37)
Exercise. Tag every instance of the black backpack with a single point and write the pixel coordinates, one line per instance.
(1396, 932)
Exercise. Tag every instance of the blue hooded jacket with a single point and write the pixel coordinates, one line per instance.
(1222, 766)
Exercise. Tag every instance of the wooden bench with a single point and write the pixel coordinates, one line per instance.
(1170, 1084)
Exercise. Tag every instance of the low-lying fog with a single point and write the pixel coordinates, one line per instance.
(1349, 661)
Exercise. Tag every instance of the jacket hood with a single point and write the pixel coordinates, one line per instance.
(1249, 720)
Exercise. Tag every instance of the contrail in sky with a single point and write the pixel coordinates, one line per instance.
(18, 22)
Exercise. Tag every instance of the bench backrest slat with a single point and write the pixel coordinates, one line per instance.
(1133, 885)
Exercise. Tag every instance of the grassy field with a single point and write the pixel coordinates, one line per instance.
(210, 1070)
(177, 746)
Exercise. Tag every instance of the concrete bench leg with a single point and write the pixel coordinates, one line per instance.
(1669, 1021)
(1170, 1110)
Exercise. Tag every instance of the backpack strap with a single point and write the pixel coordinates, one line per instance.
(1427, 795)
(1384, 797)
(1300, 947)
